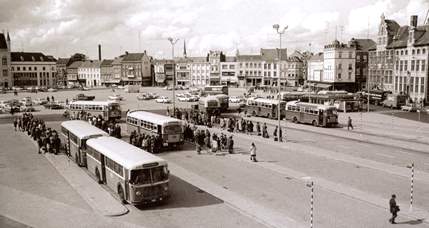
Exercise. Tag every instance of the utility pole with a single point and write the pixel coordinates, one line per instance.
(173, 42)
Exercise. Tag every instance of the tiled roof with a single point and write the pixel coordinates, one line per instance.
(75, 64)
(230, 59)
(133, 57)
(64, 61)
(401, 38)
(317, 57)
(272, 54)
(392, 27)
(249, 58)
(90, 64)
(106, 62)
(162, 61)
(3, 43)
(117, 60)
(30, 57)
(422, 35)
(362, 44)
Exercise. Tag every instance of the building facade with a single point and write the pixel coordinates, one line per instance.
(183, 71)
(136, 69)
(106, 73)
(163, 72)
(315, 70)
(72, 73)
(199, 72)
(89, 73)
(362, 47)
(33, 69)
(62, 64)
(5, 62)
(228, 72)
(250, 70)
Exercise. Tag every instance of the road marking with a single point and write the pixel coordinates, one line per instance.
(385, 155)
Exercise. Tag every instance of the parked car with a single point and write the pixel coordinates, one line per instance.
(52, 90)
(53, 105)
(83, 97)
(25, 108)
(26, 101)
(235, 99)
(163, 99)
(143, 97)
(116, 97)
(409, 108)
(40, 101)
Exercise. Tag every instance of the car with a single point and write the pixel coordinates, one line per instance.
(25, 108)
(26, 101)
(83, 97)
(409, 108)
(143, 97)
(53, 105)
(180, 95)
(235, 99)
(163, 99)
(52, 90)
(116, 97)
(40, 101)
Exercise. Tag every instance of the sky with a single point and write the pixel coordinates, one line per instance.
(64, 27)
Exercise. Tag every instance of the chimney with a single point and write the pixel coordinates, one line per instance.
(413, 21)
(99, 52)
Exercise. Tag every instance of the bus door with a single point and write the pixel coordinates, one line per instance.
(127, 184)
(103, 168)
(321, 119)
(82, 154)
(301, 114)
(274, 111)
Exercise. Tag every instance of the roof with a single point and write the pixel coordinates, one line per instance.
(117, 61)
(106, 62)
(265, 100)
(317, 57)
(319, 106)
(75, 65)
(273, 54)
(401, 38)
(93, 102)
(82, 129)
(123, 153)
(30, 57)
(3, 43)
(230, 59)
(392, 26)
(249, 58)
(422, 35)
(133, 57)
(90, 64)
(64, 61)
(152, 117)
(362, 44)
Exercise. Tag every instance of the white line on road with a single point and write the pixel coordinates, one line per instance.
(385, 155)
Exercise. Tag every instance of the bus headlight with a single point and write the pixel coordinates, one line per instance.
(165, 188)
(138, 193)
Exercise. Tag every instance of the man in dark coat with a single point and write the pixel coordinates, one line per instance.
(394, 208)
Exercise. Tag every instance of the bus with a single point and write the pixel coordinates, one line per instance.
(395, 100)
(315, 114)
(169, 129)
(265, 107)
(74, 134)
(342, 100)
(214, 90)
(296, 95)
(209, 105)
(223, 102)
(109, 110)
(375, 96)
(135, 175)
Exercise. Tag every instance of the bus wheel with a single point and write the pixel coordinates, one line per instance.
(97, 174)
(314, 123)
(295, 120)
(121, 194)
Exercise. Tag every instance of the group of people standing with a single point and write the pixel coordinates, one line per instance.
(47, 139)
(150, 143)
(109, 126)
(204, 140)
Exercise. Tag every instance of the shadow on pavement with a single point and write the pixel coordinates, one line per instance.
(412, 222)
(7, 222)
(184, 194)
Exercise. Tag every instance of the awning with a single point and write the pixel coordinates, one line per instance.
(323, 86)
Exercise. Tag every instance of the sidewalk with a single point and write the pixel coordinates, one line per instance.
(97, 197)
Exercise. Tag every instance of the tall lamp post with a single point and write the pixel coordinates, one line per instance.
(173, 42)
(280, 32)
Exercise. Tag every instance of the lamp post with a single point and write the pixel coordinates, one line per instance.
(173, 42)
(280, 32)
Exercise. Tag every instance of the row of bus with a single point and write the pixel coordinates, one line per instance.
(296, 111)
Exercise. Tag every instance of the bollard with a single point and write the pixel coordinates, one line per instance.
(412, 186)
(311, 204)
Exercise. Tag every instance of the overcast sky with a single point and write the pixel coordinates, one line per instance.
(64, 27)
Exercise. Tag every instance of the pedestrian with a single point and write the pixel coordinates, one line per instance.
(253, 153)
(15, 122)
(230, 143)
(258, 128)
(394, 209)
(349, 123)
(275, 133)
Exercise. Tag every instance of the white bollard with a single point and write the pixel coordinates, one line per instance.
(412, 186)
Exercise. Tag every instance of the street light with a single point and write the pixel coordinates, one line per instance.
(280, 32)
(173, 42)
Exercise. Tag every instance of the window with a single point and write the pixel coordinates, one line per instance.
(405, 65)
(340, 66)
(350, 75)
(423, 65)
(406, 52)
(5, 73)
(412, 84)
(350, 66)
(43, 68)
(413, 51)
(23, 68)
(418, 52)
(401, 68)
(423, 50)
(339, 54)
(339, 76)
(350, 55)
(412, 64)
(422, 85)
(4, 60)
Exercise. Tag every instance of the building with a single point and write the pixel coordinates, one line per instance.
(338, 67)
(199, 71)
(183, 71)
(72, 73)
(136, 69)
(215, 58)
(33, 69)
(315, 70)
(410, 51)
(106, 73)
(271, 59)
(5, 61)
(163, 71)
(228, 71)
(362, 47)
(117, 69)
(62, 64)
(292, 70)
(89, 73)
(250, 70)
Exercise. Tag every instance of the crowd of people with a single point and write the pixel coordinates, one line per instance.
(148, 142)
(47, 139)
(109, 126)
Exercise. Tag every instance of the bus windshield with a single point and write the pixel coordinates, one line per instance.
(115, 107)
(173, 129)
(331, 111)
(140, 176)
(159, 174)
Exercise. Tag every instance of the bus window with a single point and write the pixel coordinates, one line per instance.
(159, 174)
(140, 176)
(159, 130)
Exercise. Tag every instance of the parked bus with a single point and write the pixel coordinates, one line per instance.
(296, 95)
(395, 100)
(316, 114)
(209, 105)
(135, 175)
(109, 110)
(375, 96)
(223, 102)
(74, 134)
(265, 107)
(214, 90)
(343, 101)
(169, 129)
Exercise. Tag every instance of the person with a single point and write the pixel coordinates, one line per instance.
(258, 128)
(253, 153)
(230, 145)
(394, 208)
(15, 122)
(275, 133)
(280, 135)
(349, 123)
(197, 143)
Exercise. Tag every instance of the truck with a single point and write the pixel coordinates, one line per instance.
(83, 97)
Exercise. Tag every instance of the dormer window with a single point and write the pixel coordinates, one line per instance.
(41, 58)
(32, 58)
(22, 58)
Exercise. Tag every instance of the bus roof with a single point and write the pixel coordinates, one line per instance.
(123, 153)
(82, 129)
(265, 100)
(104, 103)
(152, 117)
(319, 106)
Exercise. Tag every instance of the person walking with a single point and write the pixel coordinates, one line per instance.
(15, 122)
(253, 153)
(349, 123)
(394, 208)
(275, 133)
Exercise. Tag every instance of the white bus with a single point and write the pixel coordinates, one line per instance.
(137, 176)
(168, 128)
(316, 114)
(75, 133)
(209, 105)
(265, 107)
(109, 110)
